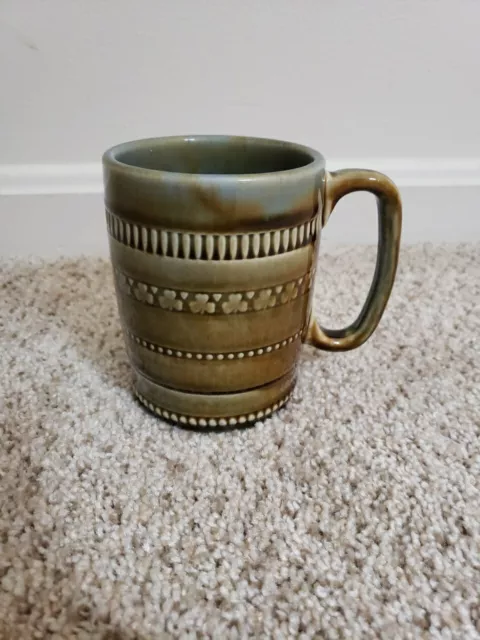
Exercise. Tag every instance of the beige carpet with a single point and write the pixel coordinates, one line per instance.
(354, 513)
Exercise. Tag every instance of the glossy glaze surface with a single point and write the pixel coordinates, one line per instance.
(214, 243)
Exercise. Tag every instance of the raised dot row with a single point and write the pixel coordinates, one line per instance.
(239, 355)
(212, 422)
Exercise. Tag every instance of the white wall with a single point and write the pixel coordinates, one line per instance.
(396, 81)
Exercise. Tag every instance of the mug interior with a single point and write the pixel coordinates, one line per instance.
(219, 155)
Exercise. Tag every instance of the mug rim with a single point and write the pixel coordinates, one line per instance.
(111, 161)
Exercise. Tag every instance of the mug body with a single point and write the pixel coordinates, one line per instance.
(213, 242)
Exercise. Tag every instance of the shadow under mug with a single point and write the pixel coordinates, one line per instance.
(214, 243)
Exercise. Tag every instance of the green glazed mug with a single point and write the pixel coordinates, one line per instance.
(214, 243)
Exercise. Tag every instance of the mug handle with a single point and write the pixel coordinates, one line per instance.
(339, 184)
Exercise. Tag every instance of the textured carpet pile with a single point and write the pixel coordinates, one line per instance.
(353, 513)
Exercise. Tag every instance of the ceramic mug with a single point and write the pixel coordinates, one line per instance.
(214, 243)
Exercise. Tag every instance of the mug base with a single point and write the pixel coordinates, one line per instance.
(213, 411)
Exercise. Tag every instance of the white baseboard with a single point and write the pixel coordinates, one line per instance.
(51, 179)
(55, 209)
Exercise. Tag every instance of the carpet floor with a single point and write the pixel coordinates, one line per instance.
(352, 513)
